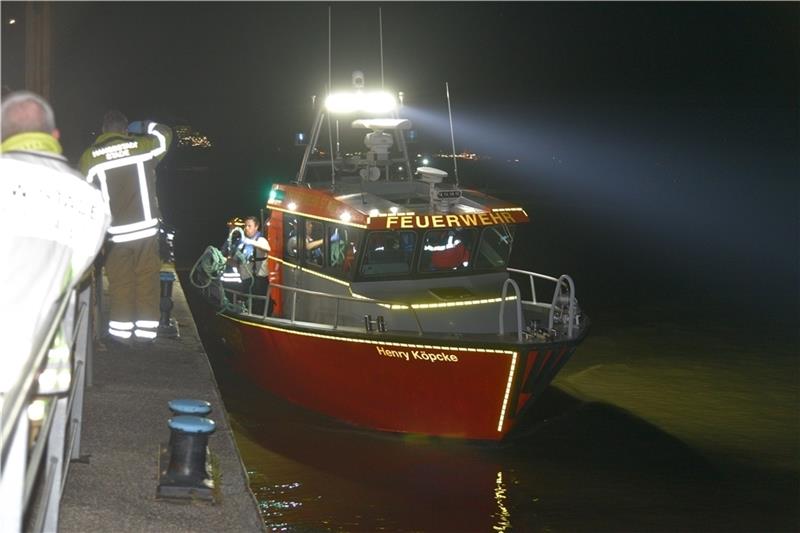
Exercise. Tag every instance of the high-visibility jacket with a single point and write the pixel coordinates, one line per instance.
(38, 148)
(125, 167)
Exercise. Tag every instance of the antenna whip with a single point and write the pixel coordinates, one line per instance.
(452, 138)
(380, 26)
(329, 48)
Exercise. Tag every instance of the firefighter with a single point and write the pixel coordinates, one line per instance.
(123, 162)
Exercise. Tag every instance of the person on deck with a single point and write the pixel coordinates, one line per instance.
(256, 248)
(313, 245)
(450, 252)
(123, 161)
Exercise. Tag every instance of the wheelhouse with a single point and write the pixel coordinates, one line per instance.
(360, 255)
(350, 245)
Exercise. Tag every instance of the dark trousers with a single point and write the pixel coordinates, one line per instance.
(134, 288)
(259, 288)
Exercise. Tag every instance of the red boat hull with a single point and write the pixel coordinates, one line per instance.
(451, 390)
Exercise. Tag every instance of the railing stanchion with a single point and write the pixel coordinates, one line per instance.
(513, 283)
(416, 319)
(55, 467)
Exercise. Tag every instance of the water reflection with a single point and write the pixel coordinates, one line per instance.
(502, 516)
(275, 501)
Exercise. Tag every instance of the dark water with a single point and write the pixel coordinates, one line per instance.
(678, 413)
(650, 427)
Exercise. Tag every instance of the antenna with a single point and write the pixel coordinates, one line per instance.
(330, 148)
(380, 27)
(329, 49)
(452, 138)
(328, 91)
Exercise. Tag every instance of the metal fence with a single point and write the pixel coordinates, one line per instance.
(42, 416)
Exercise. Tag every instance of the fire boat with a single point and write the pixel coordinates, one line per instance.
(391, 304)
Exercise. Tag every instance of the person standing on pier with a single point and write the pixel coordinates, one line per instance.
(29, 135)
(123, 161)
(37, 181)
(29, 132)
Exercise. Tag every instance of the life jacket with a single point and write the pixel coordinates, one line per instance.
(257, 256)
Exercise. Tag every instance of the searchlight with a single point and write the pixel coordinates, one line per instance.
(360, 101)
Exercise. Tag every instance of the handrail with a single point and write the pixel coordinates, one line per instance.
(558, 298)
(558, 295)
(531, 276)
(337, 297)
(19, 392)
(513, 283)
(58, 437)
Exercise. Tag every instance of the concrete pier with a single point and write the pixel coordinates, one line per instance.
(125, 421)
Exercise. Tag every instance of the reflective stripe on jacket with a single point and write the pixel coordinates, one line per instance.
(125, 167)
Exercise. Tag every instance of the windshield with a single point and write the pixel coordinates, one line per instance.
(446, 250)
(495, 247)
(389, 252)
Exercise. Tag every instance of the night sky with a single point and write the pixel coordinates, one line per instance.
(669, 128)
(245, 71)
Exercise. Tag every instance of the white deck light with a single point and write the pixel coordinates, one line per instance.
(352, 102)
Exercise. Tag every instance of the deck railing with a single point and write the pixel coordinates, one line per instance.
(562, 307)
(41, 417)
(247, 299)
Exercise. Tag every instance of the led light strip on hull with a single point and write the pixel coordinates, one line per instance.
(342, 338)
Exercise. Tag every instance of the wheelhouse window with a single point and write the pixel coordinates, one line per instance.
(447, 250)
(290, 236)
(315, 243)
(343, 250)
(495, 247)
(389, 253)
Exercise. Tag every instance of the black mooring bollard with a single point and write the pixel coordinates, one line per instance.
(167, 326)
(184, 473)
